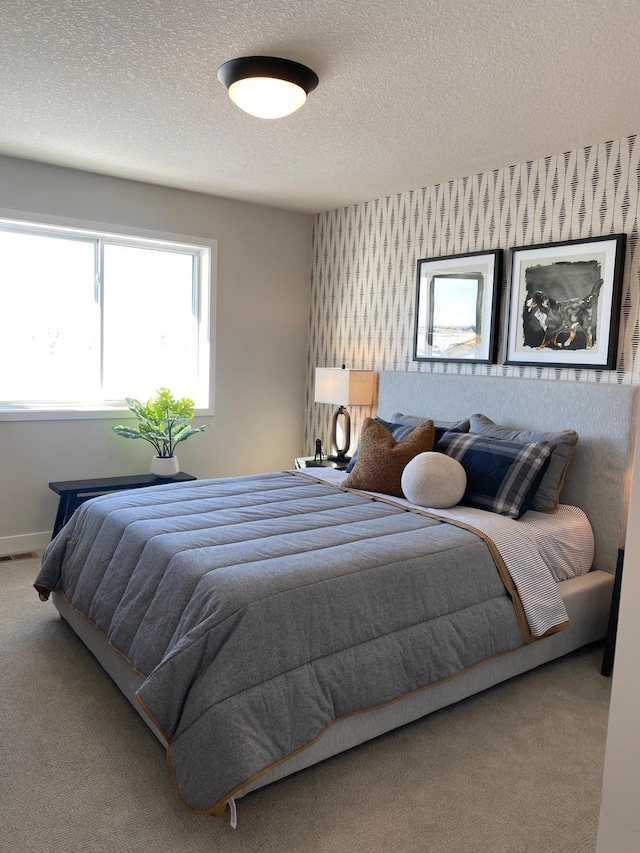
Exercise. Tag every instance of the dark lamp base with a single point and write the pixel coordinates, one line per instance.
(340, 452)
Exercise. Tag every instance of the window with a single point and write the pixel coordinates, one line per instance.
(90, 317)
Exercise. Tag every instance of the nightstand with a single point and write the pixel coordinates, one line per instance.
(308, 462)
(74, 492)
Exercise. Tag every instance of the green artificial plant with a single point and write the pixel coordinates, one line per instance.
(162, 421)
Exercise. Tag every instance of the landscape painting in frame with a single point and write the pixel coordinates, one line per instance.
(456, 307)
(564, 303)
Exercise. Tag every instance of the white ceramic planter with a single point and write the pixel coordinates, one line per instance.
(165, 466)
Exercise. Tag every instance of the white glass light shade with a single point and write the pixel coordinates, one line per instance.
(266, 97)
(345, 387)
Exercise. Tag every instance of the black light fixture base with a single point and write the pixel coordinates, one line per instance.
(267, 66)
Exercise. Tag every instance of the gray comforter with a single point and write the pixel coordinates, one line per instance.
(260, 609)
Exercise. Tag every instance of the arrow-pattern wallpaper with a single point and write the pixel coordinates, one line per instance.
(364, 261)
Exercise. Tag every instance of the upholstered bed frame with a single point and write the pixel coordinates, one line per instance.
(604, 415)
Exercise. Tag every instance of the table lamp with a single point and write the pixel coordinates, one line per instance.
(344, 388)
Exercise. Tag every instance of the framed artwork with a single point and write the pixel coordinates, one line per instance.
(457, 307)
(564, 303)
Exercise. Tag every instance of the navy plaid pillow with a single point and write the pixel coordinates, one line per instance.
(502, 476)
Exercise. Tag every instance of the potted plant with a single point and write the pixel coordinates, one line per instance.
(164, 422)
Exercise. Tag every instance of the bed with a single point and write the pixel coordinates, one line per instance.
(262, 624)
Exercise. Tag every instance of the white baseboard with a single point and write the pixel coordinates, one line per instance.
(25, 542)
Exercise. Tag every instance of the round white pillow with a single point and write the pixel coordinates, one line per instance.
(434, 479)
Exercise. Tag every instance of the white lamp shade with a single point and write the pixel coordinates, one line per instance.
(345, 387)
(267, 97)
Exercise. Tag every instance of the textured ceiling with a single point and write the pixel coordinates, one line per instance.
(411, 93)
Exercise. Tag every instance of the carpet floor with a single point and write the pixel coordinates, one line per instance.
(517, 769)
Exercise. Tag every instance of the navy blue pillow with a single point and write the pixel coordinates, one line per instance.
(502, 476)
(440, 427)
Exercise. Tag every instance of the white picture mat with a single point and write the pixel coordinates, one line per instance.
(604, 252)
(431, 269)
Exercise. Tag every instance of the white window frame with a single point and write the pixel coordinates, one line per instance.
(206, 299)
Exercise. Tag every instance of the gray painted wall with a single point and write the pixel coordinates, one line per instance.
(261, 343)
(619, 828)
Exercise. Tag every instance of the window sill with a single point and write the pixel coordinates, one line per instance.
(44, 413)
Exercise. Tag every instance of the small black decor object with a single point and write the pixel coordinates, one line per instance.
(318, 456)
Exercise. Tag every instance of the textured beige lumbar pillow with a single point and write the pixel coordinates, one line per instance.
(382, 459)
(430, 479)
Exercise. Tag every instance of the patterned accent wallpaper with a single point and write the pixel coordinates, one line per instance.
(364, 258)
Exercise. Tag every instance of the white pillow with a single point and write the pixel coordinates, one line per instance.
(434, 479)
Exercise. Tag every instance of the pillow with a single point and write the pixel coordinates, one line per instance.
(398, 431)
(502, 476)
(382, 459)
(440, 426)
(434, 479)
(563, 443)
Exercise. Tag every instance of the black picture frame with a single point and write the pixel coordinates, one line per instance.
(456, 308)
(564, 303)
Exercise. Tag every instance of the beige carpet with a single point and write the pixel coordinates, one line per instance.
(514, 770)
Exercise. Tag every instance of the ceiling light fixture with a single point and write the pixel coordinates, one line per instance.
(266, 86)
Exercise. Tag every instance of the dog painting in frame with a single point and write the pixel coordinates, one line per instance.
(560, 309)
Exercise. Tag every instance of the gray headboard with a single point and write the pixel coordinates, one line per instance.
(598, 477)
